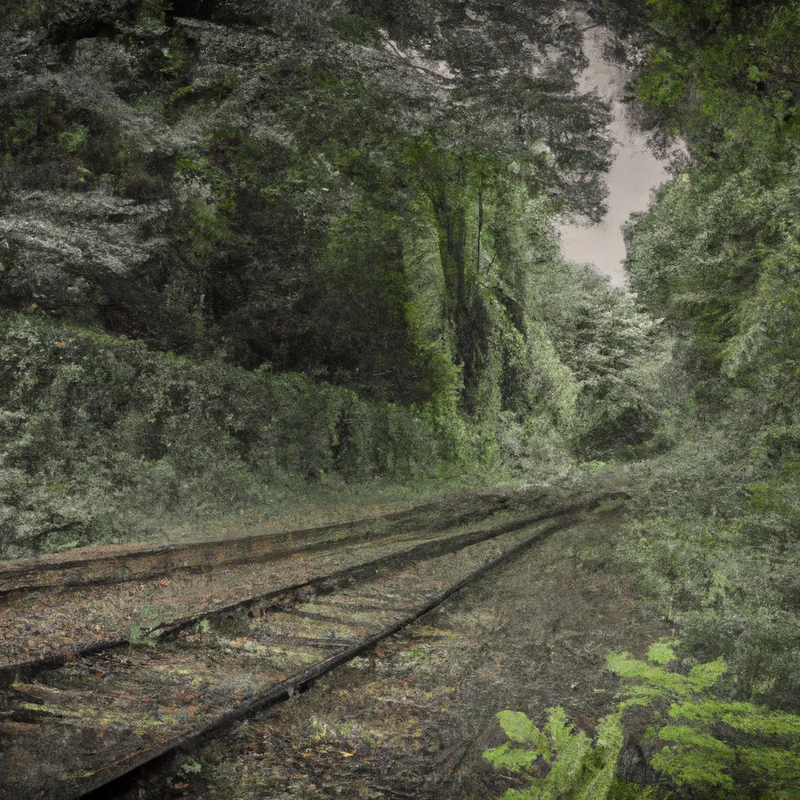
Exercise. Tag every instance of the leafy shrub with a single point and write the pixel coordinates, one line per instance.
(93, 428)
(713, 746)
(564, 763)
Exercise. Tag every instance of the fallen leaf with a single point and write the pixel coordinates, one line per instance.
(346, 755)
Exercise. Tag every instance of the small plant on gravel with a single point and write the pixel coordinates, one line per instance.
(141, 637)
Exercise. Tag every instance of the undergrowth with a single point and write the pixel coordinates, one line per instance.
(714, 549)
(703, 743)
(104, 440)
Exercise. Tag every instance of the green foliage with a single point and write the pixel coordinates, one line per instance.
(706, 745)
(612, 351)
(713, 546)
(140, 637)
(565, 763)
(317, 238)
(712, 744)
(715, 254)
(654, 680)
(715, 542)
(75, 139)
(92, 425)
(287, 237)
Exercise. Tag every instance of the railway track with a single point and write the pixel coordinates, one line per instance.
(76, 724)
(56, 607)
(130, 563)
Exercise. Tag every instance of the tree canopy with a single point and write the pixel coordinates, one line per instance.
(355, 192)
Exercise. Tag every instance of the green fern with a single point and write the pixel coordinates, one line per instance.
(713, 747)
(561, 762)
(710, 744)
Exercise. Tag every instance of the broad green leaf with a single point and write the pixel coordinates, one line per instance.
(661, 653)
(520, 729)
(512, 758)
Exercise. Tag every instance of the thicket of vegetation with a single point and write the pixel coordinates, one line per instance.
(253, 242)
(716, 258)
(714, 543)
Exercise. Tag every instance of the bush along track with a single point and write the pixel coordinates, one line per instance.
(109, 713)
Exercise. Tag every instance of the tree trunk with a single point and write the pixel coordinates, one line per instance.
(469, 332)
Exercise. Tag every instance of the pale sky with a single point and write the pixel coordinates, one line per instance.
(633, 175)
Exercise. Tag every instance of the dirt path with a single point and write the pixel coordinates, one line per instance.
(411, 718)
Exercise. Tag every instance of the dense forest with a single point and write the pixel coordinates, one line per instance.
(251, 249)
(246, 245)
